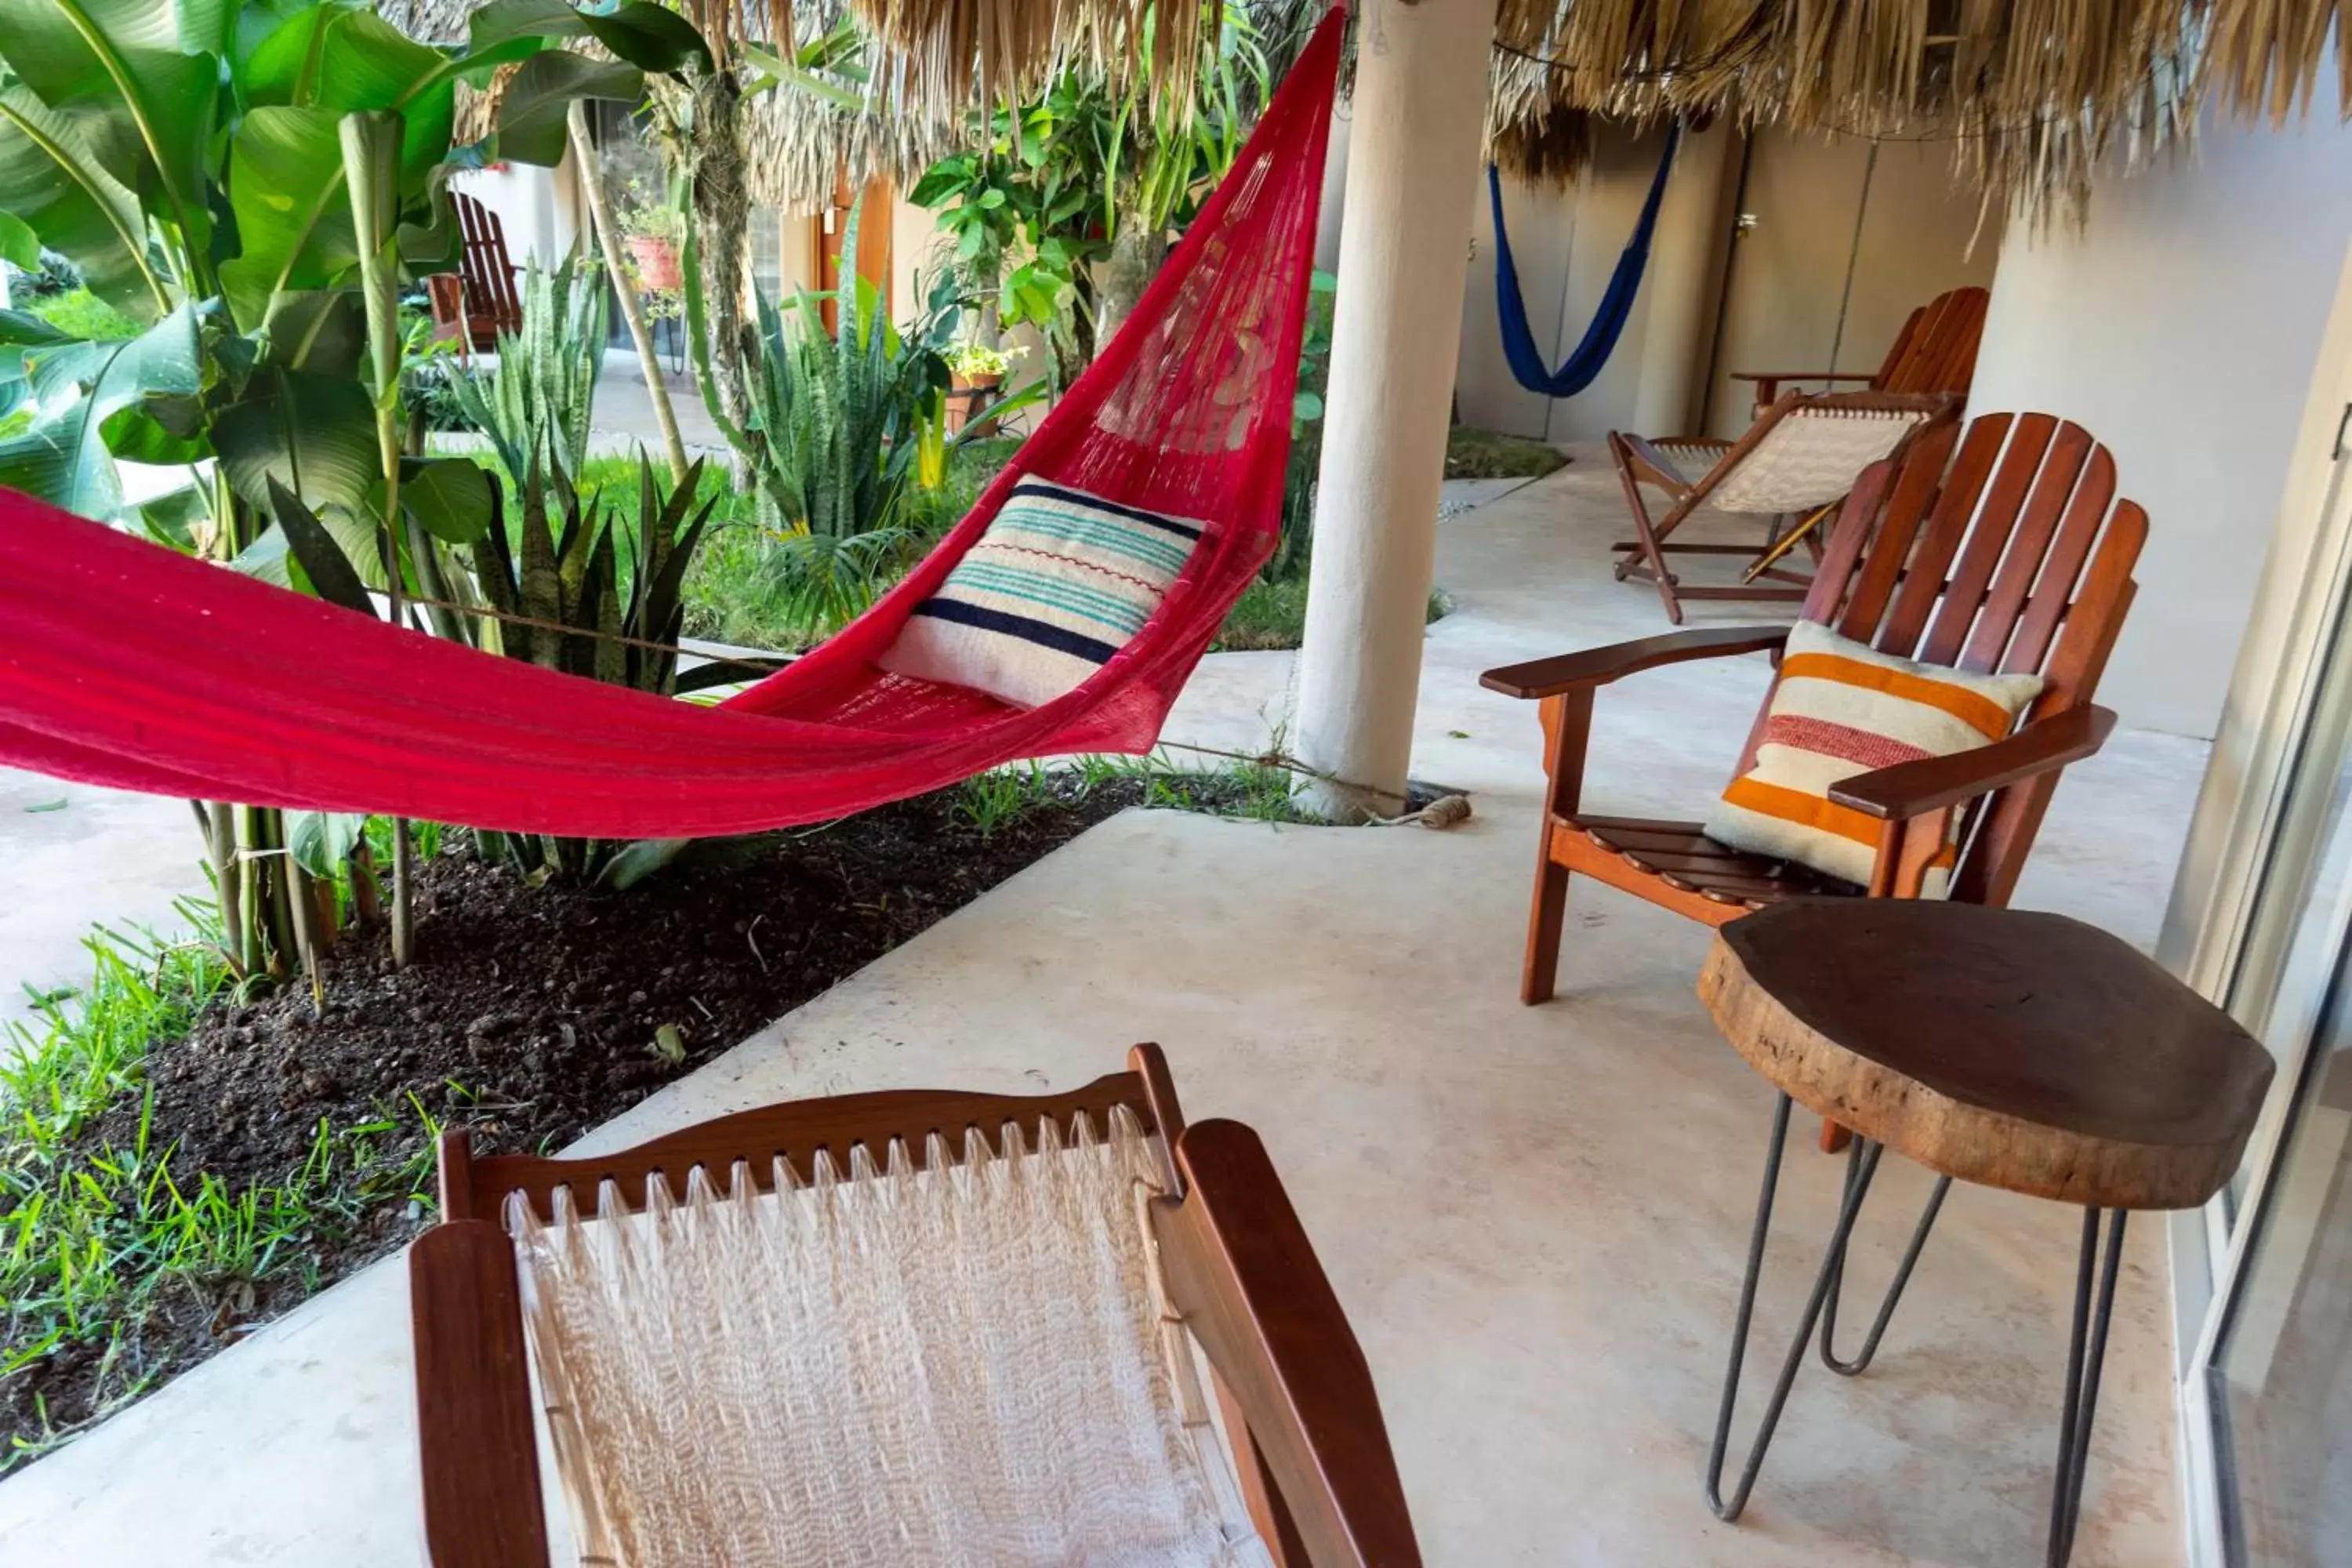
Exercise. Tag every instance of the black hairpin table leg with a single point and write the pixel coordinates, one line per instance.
(2095, 1298)
(1863, 1165)
(2094, 1276)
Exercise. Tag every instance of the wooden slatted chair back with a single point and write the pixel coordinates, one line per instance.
(491, 302)
(1937, 349)
(2010, 554)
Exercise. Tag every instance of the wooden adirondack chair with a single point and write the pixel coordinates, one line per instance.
(695, 1311)
(1935, 352)
(2013, 555)
(478, 301)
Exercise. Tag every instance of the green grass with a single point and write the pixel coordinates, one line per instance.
(81, 314)
(99, 1240)
(1249, 791)
(1274, 616)
(1487, 455)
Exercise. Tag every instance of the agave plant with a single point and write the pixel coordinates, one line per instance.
(542, 392)
(596, 599)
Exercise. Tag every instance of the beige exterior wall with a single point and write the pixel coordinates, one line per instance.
(2182, 328)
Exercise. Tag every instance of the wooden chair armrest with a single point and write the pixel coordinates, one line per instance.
(1768, 382)
(1914, 789)
(1641, 453)
(1600, 665)
(1241, 1270)
(480, 1453)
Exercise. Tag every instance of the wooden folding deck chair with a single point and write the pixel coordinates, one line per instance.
(913, 1327)
(478, 301)
(1935, 352)
(2011, 556)
(1793, 466)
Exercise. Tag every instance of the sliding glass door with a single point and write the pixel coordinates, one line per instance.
(2263, 921)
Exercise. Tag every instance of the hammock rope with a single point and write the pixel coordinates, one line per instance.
(1584, 364)
(126, 664)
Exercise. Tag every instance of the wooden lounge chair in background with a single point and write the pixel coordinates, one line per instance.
(478, 301)
(1935, 352)
(812, 1333)
(1794, 465)
(2011, 556)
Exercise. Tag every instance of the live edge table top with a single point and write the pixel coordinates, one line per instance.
(2024, 1051)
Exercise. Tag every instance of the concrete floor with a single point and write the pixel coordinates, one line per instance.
(72, 856)
(1536, 1217)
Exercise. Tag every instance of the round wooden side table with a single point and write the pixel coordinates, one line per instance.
(2028, 1052)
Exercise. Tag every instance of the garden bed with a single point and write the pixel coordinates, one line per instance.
(270, 1149)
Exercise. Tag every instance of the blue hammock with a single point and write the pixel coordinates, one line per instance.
(1520, 346)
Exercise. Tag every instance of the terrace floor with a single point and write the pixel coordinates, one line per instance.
(1535, 1216)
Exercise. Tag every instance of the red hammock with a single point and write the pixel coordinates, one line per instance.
(126, 664)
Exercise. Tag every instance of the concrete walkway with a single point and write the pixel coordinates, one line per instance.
(1536, 1216)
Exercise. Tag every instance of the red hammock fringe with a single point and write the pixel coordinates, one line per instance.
(127, 665)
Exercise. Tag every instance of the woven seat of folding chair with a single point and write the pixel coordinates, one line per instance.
(1811, 457)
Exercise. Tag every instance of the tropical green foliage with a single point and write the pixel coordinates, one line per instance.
(1085, 175)
(542, 392)
(245, 180)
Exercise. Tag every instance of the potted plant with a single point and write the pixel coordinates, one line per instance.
(655, 230)
(976, 372)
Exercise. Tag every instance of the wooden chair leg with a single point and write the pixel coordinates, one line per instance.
(1546, 915)
(1567, 722)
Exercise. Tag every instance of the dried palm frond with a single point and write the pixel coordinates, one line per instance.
(2266, 53)
(1554, 151)
(478, 106)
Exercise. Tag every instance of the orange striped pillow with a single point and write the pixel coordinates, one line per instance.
(1842, 708)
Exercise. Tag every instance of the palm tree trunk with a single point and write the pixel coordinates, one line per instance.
(600, 218)
(722, 208)
(1135, 257)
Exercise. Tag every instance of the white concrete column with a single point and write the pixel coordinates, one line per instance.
(1413, 176)
(1335, 191)
(1684, 259)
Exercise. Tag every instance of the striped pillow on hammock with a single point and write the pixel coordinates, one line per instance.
(1060, 581)
(1842, 708)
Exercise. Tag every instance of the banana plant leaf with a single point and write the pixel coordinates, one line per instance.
(76, 387)
(52, 181)
(531, 127)
(143, 106)
(313, 434)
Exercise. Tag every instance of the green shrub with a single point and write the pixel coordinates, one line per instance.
(79, 313)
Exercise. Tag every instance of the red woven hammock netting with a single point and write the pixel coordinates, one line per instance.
(127, 665)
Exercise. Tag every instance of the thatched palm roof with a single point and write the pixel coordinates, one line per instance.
(2034, 95)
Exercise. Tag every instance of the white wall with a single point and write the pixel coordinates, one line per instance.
(539, 209)
(2182, 328)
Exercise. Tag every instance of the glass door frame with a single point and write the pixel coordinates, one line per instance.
(2264, 816)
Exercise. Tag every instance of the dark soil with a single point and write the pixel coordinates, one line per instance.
(530, 1015)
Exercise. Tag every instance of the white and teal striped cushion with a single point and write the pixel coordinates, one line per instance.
(1061, 580)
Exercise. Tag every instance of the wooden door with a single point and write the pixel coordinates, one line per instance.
(831, 229)
(1837, 234)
